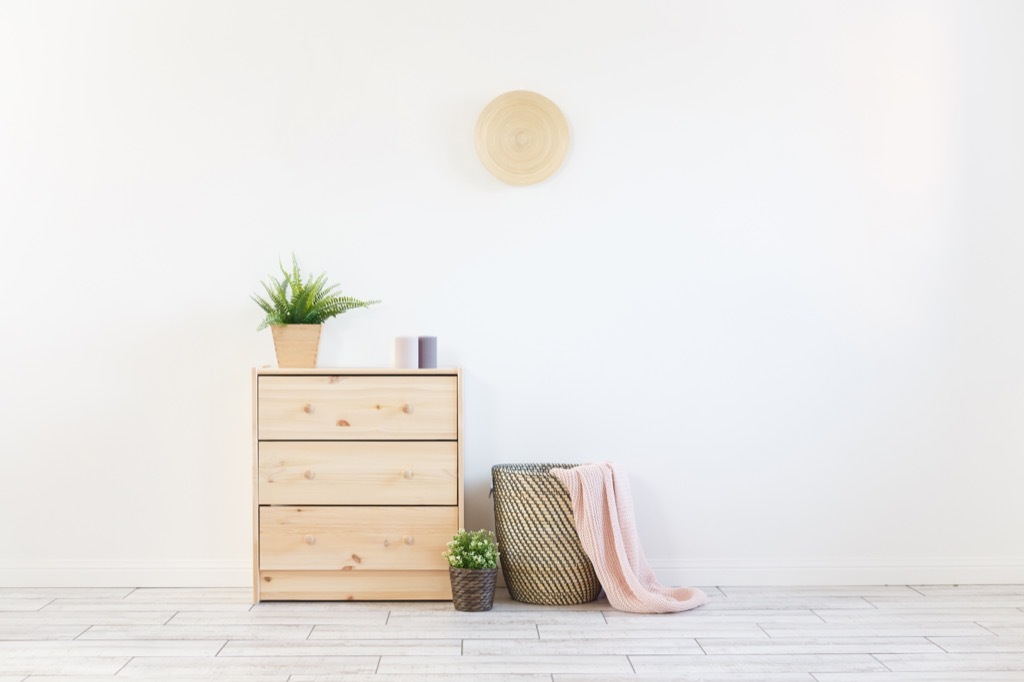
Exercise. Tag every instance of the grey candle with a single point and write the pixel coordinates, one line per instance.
(428, 352)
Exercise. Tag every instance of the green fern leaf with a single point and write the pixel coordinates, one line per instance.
(292, 300)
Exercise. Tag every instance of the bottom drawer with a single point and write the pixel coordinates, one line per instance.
(355, 585)
(355, 538)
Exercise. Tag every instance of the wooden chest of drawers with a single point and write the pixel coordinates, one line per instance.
(357, 482)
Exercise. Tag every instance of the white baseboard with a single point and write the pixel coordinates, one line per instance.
(894, 571)
(708, 572)
(209, 573)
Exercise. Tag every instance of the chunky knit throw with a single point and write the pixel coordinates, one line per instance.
(602, 506)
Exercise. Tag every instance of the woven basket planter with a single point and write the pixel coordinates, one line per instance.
(473, 588)
(541, 556)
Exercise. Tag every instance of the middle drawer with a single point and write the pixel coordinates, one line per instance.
(358, 473)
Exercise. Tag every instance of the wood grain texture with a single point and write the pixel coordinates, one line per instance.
(331, 449)
(297, 345)
(995, 662)
(34, 618)
(705, 629)
(257, 665)
(64, 665)
(817, 645)
(687, 677)
(628, 646)
(980, 644)
(345, 407)
(22, 604)
(1005, 616)
(347, 647)
(922, 628)
(503, 664)
(34, 632)
(355, 538)
(948, 676)
(355, 585)
(358, 473)
(277, 633)
(814, 663)
(339, 641)
(212, 618)
(461, 631)
(425, 677)
(106, 649)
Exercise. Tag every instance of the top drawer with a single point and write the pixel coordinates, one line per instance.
(341, 407)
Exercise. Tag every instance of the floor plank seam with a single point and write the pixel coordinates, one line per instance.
(130, 593)
(933, 636)
(944, 649)
(917, 590)
(118, 671)
(985, 628)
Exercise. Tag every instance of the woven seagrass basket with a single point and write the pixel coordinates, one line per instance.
(473, 588)
(541, 556)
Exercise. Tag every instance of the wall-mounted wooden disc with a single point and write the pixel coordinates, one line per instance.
(522, 137)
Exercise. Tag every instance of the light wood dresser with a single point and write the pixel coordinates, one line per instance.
(357, 482)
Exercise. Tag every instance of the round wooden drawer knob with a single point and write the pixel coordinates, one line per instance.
(310, 474)
(407, 539)
(310, 540)
(407, 474)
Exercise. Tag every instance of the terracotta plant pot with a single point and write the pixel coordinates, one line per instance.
(297, 345)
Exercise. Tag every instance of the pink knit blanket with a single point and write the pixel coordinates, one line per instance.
(603, 509)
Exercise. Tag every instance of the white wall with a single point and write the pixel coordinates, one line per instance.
(778, 278)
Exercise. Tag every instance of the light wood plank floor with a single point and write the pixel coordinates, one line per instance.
(796, 634)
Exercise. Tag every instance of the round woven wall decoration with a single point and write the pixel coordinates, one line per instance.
(522, 137)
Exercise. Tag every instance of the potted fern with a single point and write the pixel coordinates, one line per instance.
(472, 566)
(296, 310)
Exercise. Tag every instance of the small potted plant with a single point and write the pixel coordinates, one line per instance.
(296, 310)
(472, 566)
